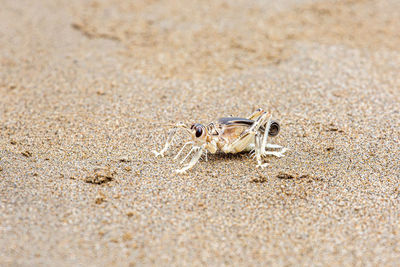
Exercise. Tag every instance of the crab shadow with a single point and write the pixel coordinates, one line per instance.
(220, 157)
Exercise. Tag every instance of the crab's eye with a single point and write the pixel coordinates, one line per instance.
(259, 109)
(199, 132)
(191, 127)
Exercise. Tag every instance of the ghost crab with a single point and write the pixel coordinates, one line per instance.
(229, 135)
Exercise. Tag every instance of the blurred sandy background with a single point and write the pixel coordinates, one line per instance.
(93, 84)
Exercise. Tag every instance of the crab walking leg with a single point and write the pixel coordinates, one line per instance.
(170, 138)
(273, 146)
(255, 114)
(257, 152)
(243, 142)
(257, 149)
(180, 151)
(188, 154)
(278, 154)
(265, 136)
(167, 143)
(260, 121)
(251, 147)
(193, 161)
(264, 144)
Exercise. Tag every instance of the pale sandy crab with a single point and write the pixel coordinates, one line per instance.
(230, 135)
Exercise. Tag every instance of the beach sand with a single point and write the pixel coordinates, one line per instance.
(88, 89)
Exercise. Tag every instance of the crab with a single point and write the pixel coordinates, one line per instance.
(229, 135)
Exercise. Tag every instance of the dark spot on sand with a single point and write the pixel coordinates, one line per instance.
(100, 199)
(128, 169)
(285, 176)
(333, 128)
(130, 214)
(26, 154)
(100, 176)
(288, 176)
(127, 237)
(260, 179)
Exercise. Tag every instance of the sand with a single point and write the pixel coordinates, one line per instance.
(88, 89)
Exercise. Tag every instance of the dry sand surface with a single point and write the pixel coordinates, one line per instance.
(87, 89)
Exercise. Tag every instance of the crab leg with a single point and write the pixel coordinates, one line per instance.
(180, 151)
(246, 137)
(190, 152)
(255, 114)
(260, 146)
(273, 146)
(170, 138)
(167, 143)
(257, 152)
(265, 137)
(264, 143)
(278, 154)
(193, 161)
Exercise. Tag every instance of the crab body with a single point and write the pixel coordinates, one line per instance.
(230, 135)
